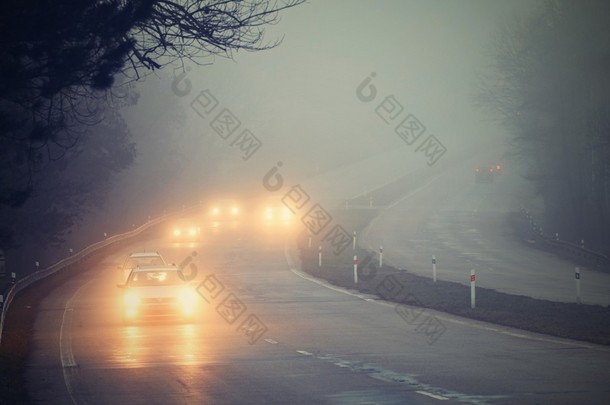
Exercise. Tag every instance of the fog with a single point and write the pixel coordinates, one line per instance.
(300, 101)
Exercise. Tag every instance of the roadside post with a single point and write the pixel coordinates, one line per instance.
(13, 277)
(472, 289)
(354, 241)
(577, 277)
(434, 268)
(355, 269)
(320, 256)
(380, 256)
(1, 300)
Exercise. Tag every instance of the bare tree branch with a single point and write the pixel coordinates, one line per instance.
(60, 58)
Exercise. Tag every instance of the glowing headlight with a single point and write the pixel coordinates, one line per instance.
(234, 210)
(187, 300)
(131, 301)
(192, 231)
(177, 232)
(215, 211)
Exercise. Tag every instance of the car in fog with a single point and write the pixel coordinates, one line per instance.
(157, 292)
(274, 212)
(140, 259)
(186, 231)
(484, 174)
(225, 210)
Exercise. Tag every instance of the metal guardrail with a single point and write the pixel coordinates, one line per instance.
(570, 249)
(54, 268)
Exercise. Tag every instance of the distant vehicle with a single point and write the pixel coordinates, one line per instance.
(140, 259)
(273, 211)
(484, 174)
(186, 231)
(158, 292)
(225, 209)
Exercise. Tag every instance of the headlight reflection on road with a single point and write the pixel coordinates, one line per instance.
(171, 341)
(167, 343)
(128, 354)
(190, 347)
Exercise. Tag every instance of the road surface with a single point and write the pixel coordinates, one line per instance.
(319, 344)
(465, 226)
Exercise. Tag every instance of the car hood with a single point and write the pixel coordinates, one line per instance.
(158, 291)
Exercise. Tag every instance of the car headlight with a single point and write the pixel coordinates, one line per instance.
(131, 301)
(177, 232)
(187, 300)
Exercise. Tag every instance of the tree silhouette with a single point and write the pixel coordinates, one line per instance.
(70, 188)
(60, 58)
(549, 84)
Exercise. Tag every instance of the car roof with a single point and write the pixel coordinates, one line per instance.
(144, 254)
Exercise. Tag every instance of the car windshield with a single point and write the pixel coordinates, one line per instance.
(155, 278)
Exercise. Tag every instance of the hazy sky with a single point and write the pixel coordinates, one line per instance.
(300, 98)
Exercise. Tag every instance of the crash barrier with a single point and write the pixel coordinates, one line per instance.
(552, 242)
(20, 284)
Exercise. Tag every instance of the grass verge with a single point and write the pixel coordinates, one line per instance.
(583, 322)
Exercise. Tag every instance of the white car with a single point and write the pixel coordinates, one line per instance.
(140, 259)
(158, 292)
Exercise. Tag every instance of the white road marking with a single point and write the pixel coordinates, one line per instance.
(431, 395)
(68, 363)
(271, 341)
(379, 373)
(65, 343)
(337, 289)
(304, 353)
